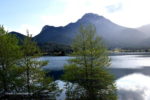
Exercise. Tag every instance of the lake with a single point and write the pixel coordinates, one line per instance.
(132, 74)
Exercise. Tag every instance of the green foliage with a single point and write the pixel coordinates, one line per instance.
(54, 49)
(34, 76)
(9, 56)
(20, 70)
(88, 69)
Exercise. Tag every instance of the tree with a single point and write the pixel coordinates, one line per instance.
(9, 56)
(20, 71)
(35, 76)
(87, 70)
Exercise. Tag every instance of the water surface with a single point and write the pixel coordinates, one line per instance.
(132, 73)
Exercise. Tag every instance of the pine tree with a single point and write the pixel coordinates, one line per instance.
(9, 55)
(20, 71)
(87, 70)
(35, 76)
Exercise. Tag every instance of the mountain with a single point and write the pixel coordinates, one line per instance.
(145, 29)
(18, 35)
(113, 35)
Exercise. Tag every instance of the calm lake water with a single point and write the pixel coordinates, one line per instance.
(132, 73)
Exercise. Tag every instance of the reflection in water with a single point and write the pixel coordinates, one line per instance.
(132, 73)
(134, 87)
(131, 87)
(130, 61)
(121, 65)
(121, 72)
(119, 61)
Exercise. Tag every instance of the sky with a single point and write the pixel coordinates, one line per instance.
(20, 15)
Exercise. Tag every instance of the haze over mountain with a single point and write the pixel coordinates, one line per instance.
(145, 29)
(113, 35)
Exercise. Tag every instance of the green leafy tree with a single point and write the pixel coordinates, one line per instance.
(87, 70)
(20, 71)
(9, 56)
(35, 77)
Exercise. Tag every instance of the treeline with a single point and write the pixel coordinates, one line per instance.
(85, 76)
(129, 50)
(54, 49)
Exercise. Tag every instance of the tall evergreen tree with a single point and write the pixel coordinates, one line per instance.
(88, 69)
(20, 71)
(9, 56)
(36, 80)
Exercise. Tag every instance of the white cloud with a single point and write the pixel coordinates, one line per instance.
(130, 13)
(73, 10)
(32, 29)
(134, 13)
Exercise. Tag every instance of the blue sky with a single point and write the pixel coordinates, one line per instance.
(19, 15)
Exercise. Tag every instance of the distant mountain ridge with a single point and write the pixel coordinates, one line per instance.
(145, 29)
(19, 36)
(113, 35)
